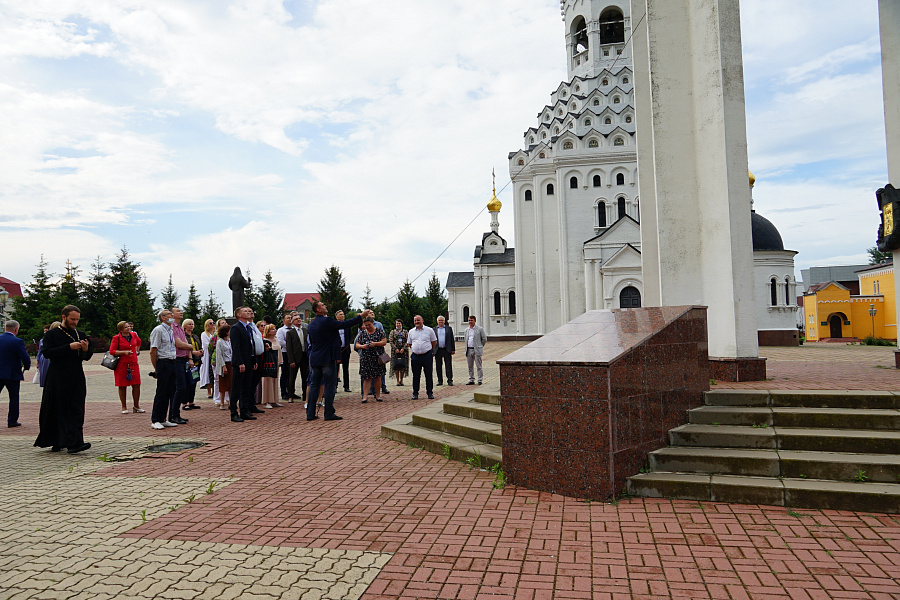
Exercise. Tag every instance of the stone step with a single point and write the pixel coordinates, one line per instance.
(838, 466)
(803, 398)
(789, 492)
(474, 410)
(790, 416)
(488, 397)
(787, 438)
(452, 446)
(433, 417)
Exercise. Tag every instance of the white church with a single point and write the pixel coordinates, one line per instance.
(576, 212)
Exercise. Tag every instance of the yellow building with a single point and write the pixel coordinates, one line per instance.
(832, 313)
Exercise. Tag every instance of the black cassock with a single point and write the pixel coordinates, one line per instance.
(62, 405)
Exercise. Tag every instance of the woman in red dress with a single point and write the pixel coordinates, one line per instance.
(126, 345)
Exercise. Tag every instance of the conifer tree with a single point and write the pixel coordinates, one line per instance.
(131, 296)
(270, 299)
(169, 296)
(211, 308)
(368, 303)
(68, 288)
(434, 304)
(37, 307)
(97, 305)
(407, 305)
(192, 307)
(333, 291)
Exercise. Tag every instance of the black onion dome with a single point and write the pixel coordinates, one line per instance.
(765, 235)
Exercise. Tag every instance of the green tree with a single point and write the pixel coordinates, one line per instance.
(192, 307)
(407, 305)
(68, 288)
(434, 304)
(367, 301)
(383, 311)
(270, 298)
(211, 308)
(98, 302)
(333, 291)
(251, 297)
(169, 296)
(877, 257)
(131, 296)
(37, 307)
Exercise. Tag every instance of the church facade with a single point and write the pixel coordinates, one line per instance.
(576, 212)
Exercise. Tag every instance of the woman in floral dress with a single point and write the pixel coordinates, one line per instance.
(399, 351)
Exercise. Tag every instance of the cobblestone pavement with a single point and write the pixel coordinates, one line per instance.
(332, 510)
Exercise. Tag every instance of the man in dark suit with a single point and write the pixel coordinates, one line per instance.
(296, 340)
(446, 347)
(346, 346)
(324, 352)
(13, 360)
(244, 362)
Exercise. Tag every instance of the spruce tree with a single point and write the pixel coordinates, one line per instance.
(407, 305)
(68, 288)
(367, 301)
(192, 307)
(211, 309)
(36, 307)
(98, 302)
(251, 297)
(333, 291)
(270, 298)
(434, 304)
(131, 296)
(169, 295)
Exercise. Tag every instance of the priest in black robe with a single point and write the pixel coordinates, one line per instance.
(62, 405)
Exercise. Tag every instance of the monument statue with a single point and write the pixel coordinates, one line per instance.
(237, 284)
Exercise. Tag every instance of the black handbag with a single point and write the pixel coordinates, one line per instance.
(109, 361)
(270, 363)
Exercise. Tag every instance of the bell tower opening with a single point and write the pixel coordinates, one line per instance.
(579, 36)
(612, 27)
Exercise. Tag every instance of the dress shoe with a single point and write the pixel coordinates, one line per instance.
(294, 397)
(248, 417)
(333, 418)
(236, 419)
(479, 383)
(450, 383)
(471, 383)
(77, 449)
(178, 421)
(14, 425)
(313, 418)
(55, 448)
(347, 390)
(253, 409)
(384, 391)
(440, 383)
(415, 397)
(431, 396)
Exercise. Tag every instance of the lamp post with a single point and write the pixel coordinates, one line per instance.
(872, 311)
(4, 296)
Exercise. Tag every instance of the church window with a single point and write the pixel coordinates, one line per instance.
(773, 292)
(559, 112)
(512, 302)
(616, 100)
(618, 51)
(619, 142)
(587, 122)
(621, 206)
(605, 82)
(547, 117)
(577, 88)
(607, 121)
(596, 181)
(596, 102)
(465, 313)
(549, 189)
(574, 105)
(531, 140)
(593, 144)
(628, 118)
(556, 130)
(630, 297)
(542, 155)
(787, 291)
(567, 146)
(496, 303)
(564, 93)
(601, 214)
(624, 80)
(521, 162)
(612, 26)
(544, 135)
(573, 183)
(527, 195)
(606, 52)
(620, 179)
(571, 124)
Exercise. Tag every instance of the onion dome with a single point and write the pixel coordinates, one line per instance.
(765, 235)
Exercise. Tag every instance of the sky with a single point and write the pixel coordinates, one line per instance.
(298, 134)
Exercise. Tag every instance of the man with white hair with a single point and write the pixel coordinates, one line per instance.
(14, 360)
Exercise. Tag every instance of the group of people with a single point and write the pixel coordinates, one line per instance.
(237, 364)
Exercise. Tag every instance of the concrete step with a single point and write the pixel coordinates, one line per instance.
(433, 417)
(488, 397)
(452, 446)
(473, 410)
(848, 467)
(789, 492)
(819, 418)
(803, 398)
(787, 438)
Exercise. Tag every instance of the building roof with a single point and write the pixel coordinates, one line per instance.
(814, 275)
(765, 234)
(14, 289)
(507, 257)
(818, 287)
(885, 265)
(292, 301)
(460, 279)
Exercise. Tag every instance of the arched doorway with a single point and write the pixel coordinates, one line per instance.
(630, 297)
(835, 322)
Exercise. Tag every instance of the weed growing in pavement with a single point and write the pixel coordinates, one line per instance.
(212, 486)
(715, 424)
(487, 439)
(860, 476)
(71, 469)
(499, 476)
(105, 457)
(144, 516)
(445, 450)
(474, 461)
(173, 507)
(712, 382)
(761, 426)
(802, 476)
(795, 514)
(189, 499)
(190, 459)
(828, 552)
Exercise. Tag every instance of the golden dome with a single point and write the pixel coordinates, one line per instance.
(752, 177)
(494, 205)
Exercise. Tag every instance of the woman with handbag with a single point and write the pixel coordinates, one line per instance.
(223, 365)
(372, 357)
(206, 380)
(124, 348)
(271, 358)
(192, 370)
(399, 351)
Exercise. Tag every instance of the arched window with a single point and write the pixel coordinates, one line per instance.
(605, 82)
(773, 292)
(574, 105)
(624, 80)
(527, 195)
(559, 112)
(465, 314)
(512, 302)
(630, 297)
(531, 140)
(542, 155)
(593, 144)
(612, 27)
(496, 303)
(621, 203)
(567, 146)
(549, 189)
(571, 124)
(596, 181)
(787, 291)
(601, 214)
(556, 130)
(616, 100)
(596, 102)
(544, 135)
(607, 121)
(619, 142)
(620, 179)
(564, 93)
(587, 122)
(628, 118)
(573, 183)
(521, 162)
(577, 88)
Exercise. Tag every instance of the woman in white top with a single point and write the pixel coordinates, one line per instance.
(209, 330)
(223, 365)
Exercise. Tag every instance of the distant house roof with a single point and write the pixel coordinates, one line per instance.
(884, 265)
(817, 287)
(460, 279)
(14, 289)
(507, 257)
(292, 301)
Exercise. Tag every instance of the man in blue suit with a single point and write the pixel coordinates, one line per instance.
(13, 360)
(324, 353)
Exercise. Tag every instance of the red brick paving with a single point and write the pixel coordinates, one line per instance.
(339, 485)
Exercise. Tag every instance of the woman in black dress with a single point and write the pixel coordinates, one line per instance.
(371, 343)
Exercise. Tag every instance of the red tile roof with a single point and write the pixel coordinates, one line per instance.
(14, 289)
(292, 301)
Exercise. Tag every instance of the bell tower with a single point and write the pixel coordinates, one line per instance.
(596, 31)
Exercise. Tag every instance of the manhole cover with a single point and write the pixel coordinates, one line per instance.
(174, 446)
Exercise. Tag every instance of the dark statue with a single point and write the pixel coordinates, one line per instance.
(888, 199)
(237, 284)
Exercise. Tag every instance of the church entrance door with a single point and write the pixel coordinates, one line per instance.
(835, 322)
(630, 297)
